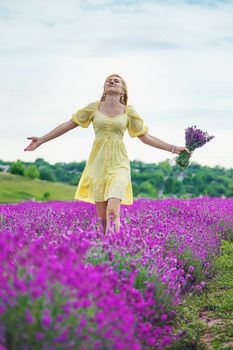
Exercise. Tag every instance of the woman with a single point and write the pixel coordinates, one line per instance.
(106, 179)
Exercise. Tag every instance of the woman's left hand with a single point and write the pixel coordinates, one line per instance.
(178, 150)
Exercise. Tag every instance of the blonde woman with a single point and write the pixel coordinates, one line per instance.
(106, 180)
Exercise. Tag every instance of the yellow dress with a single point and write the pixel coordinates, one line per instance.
(107, 170)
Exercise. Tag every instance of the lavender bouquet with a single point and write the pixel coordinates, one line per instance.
(194, 138)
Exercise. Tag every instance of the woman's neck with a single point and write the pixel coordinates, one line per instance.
(112, 100)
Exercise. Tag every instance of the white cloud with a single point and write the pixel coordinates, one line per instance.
(176, 59)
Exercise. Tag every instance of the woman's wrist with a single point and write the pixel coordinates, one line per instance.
(173, 149)
(42, 139)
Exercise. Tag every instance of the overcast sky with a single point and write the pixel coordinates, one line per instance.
(176, 57)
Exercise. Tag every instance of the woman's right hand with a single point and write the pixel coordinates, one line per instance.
(36, 142)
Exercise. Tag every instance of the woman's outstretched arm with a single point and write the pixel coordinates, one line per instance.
(155, 142)
(58, 131)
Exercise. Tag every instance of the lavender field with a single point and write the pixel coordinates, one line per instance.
(65, 285)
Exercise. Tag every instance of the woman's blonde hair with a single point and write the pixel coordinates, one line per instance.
(124, 98)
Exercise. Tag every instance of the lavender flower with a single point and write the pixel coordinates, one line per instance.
(194, 138)
(82, 293)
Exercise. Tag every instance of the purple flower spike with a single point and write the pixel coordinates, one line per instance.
(46, 321)
(194, 138)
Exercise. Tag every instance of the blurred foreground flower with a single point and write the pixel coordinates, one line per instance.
(194, 138)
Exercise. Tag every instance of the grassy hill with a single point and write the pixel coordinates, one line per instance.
(15, 188)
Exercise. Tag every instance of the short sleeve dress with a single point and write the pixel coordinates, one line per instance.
(107, 170)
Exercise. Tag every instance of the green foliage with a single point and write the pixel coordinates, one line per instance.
(46, 195)
(171, 185)
(17, 168)
(17, 325)
(161, 297)
(75, 179)
(189, 326)
(228, 234)
(47, 174)
(146, 189)
(215, 302)
(224, 266)
(188, 259)
(149, 180)
(223, 339)
(96, 255)
(32, 172)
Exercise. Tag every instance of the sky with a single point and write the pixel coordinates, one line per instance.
(175, 56)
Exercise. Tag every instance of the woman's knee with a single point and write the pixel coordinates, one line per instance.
(103, 220)
(101, 210)
(113, 207)
(113, 212)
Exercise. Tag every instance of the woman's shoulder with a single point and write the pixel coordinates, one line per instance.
(129, 108)
(131, 111)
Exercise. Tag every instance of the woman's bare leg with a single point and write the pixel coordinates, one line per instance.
(113, 213)
(101, 208)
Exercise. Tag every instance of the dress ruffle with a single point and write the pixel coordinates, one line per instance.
(93, 190)
(136, 125)
(83, 117)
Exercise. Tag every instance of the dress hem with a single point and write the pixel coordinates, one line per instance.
(91, 201)
(94, 190)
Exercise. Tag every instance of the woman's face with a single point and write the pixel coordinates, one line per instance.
(113, 85)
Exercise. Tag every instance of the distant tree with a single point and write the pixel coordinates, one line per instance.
(215, 189)
(74, 180)
(40, 162)
(177, 186)
(148, 179)
(147, 189)
(169, 185)
(135, 189)
(61, 174)
(32, 172)
(229, 192)
(75, 166)
(157, 178)
(17, 168)
(165, 167)
(46, 195)
(47, 174)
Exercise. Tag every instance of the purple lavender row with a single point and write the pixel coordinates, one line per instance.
(65, 285)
